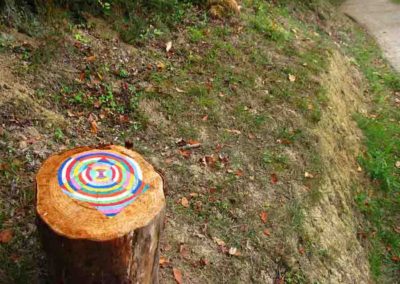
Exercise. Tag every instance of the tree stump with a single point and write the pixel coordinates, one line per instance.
(100, 214)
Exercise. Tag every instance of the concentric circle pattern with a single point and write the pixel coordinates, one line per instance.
(106, 180)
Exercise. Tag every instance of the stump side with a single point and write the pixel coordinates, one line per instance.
(133, 258)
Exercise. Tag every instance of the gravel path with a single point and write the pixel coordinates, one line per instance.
(382, 20)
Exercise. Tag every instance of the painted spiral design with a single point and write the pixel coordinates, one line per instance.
(104, 179)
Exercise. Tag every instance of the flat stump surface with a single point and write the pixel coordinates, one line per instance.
(66, 206)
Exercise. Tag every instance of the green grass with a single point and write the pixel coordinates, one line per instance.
(382, 140)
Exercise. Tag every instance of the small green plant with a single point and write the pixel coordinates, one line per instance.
(106, 6)
(123, 73)
(66, 90)
(135, 99)
(295, 277)
(195, 35)
(58, 134)
(81, 38)
(78, 98)
(107, 98)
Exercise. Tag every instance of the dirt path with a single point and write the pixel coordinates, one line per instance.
(382, 19)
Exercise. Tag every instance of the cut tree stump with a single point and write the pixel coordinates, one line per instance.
(100, 215)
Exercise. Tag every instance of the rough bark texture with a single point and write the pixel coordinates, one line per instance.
(129, 259)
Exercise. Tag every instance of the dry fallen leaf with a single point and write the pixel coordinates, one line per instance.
(6, 236)
(274, 178)
(223, 159)
(177, 275)
(185, 153)
(264, 216)
(204, 261)
(398, 164)
(179, 90)
(396, 258)
(208, 161)
(167, 247)
(93, 127)
(181, 142)
(164, 261)
(160, 66)
(82, 76)
(23, 144)
(198, 205)
(292, 78)
(193, 143)
(238, 173)
(308, 175)
(185, 202)
(218, 241)
(301, 250)
(168, 46)
(91, 58)
(234, 131)
(279, 279)
(123, 118)
(184, 251)
(266, 232)
(283, 141)
(205, 118)
(234, 251)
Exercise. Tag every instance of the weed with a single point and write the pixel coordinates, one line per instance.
(107, 98)
(123, 73)
(195, 34)
(290, 135)
(81, 38)
(295, 277)
(135, 99)
(58, 134)
(78, 98)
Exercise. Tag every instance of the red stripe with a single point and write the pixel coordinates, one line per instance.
(89, 168)
(113, 173)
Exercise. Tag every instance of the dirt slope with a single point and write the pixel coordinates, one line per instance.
(269, 194)
(16, 99)
(333, 220)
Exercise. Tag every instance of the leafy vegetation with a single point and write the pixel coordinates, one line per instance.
(381, 204)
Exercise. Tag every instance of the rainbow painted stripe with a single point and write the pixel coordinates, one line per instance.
(104, 179)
